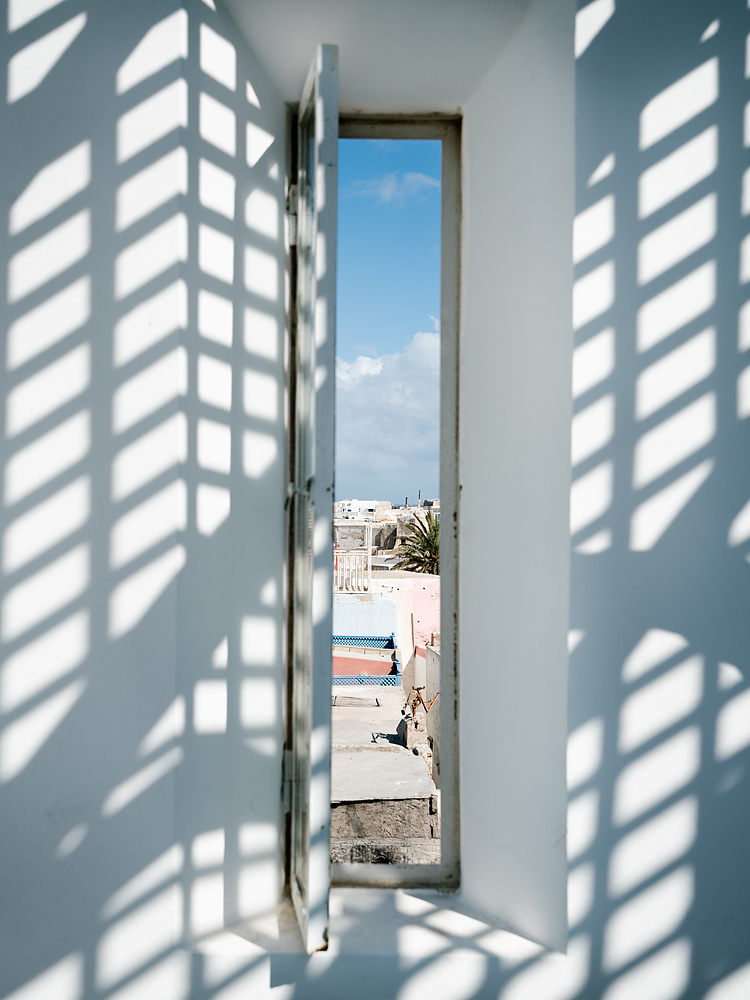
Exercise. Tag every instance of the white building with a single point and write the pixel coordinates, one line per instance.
(361, 509)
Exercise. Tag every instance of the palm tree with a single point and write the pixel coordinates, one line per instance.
(421, 552)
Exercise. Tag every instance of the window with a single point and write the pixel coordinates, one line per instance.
(504, 487)
(447, 131)
(311, 492)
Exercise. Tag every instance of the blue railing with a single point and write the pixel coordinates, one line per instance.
(371, 641)
(365, 680)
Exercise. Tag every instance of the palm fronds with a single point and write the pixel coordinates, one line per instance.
(421, 552)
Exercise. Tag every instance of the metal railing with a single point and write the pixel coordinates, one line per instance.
(365, 680)
(371, 641)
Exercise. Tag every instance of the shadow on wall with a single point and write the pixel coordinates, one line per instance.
(660, 511)
(660, 520)
(143, 477)
(144, 308)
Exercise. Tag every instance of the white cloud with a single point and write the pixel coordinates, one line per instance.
(351, 373)
(388, 422)
(396, 187)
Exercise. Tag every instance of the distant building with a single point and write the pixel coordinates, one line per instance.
(367, 535)
(367, 510)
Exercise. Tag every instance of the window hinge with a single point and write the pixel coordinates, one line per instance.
(297, 491)
(291, 215)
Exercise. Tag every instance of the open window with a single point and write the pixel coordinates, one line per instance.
(311, 494)
(318, 129)
(504, 574)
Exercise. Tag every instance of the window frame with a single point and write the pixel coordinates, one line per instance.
(306, 771)
(446, 129)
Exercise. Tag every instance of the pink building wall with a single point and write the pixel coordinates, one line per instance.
(425, 608)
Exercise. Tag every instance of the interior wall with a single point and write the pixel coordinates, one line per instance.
(144, 473)
(386, 51)
(141, 755)
(231, 593)
(514, 406)
(659, 705)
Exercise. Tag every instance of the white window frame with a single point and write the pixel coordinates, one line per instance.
(447, 130)
(310, 498)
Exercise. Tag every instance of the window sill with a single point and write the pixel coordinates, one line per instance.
(409, 925)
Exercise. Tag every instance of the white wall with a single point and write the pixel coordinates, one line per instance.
(514, 405)
(366, 614)
(124, 571)
(386, 51)
(659, 718)
(69, 919)
(659, 572)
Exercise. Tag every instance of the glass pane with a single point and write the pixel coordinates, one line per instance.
(385, 771)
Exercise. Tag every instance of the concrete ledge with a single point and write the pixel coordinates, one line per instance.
(367, 774)
(390, 818)
(386, 851)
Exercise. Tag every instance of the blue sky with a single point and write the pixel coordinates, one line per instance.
(388, 243)
(388, 304)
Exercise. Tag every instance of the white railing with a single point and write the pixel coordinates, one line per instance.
(352, 571)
